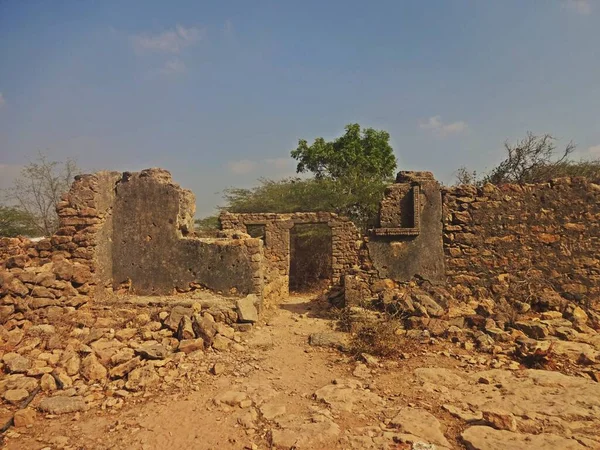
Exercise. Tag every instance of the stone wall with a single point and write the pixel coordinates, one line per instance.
(513, 242)
(114, 228)
(153, 248)
(85, 231)
(523, 244)
(408, 240)
(520, 242)
(39, 279)
(14, 247)
(406, 245)
(344, 235)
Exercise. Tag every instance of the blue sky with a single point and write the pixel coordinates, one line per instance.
(219, 92)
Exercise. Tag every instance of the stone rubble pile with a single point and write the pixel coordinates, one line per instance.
(98, 357)
(519, 332)
(35, 292)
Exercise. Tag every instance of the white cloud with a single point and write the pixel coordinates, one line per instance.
(436, 125)
(583, 7)
(281, 167)
(242, 166)
(594, 150)
(2, 101)
(174, 67)
(171, 41)
(279, 163)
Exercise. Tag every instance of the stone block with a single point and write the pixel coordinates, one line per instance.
(246, 309)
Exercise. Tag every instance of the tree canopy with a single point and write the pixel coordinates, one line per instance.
(349, 176)
(349, 197)
(366, 153)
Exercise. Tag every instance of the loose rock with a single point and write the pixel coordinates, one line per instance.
(62, 404)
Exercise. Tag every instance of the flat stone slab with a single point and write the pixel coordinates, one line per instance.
(62, 404)
(153, 351)
(347, 395)
(487, 438)
(542, 403)
(331, 339)
(418, 422)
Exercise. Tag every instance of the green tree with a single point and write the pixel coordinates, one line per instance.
(207, 226)
(367, 154)
(39, 188)
(349, 196)
(14, 222)
(350, 174)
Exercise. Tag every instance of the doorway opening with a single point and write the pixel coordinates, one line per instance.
(310, 257)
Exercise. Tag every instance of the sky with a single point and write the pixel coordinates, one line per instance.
(220, 92)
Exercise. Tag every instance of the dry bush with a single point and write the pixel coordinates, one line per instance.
(378, 339)
(207, 227)
(38, 191)
(537, 358)
(533, 159)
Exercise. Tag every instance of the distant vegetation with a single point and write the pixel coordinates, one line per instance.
(350, 173)
(14, 222)
(349, 176)
(533, 159)
(30, 207)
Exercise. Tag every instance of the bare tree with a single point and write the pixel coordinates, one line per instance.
(39, 188)
(530, 160)
(466, 176)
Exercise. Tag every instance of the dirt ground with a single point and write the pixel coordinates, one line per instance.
(277, 391)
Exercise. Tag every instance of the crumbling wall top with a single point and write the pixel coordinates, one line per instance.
(413, 176)
(186, 198)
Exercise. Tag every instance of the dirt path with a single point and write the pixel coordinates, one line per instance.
(277, 391)
(276, 367)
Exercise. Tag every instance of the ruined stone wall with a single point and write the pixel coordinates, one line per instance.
(85, 231)
(518, 242)
(344, 235)
(38, 280)
(14, 247)
(512, 242)
(408, 240)
(522, 244)
(153, 248)
(117, 227)
(406, 244)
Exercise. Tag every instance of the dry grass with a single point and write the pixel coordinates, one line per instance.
(380, 339)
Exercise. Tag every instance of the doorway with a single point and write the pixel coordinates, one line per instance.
(310, 257)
